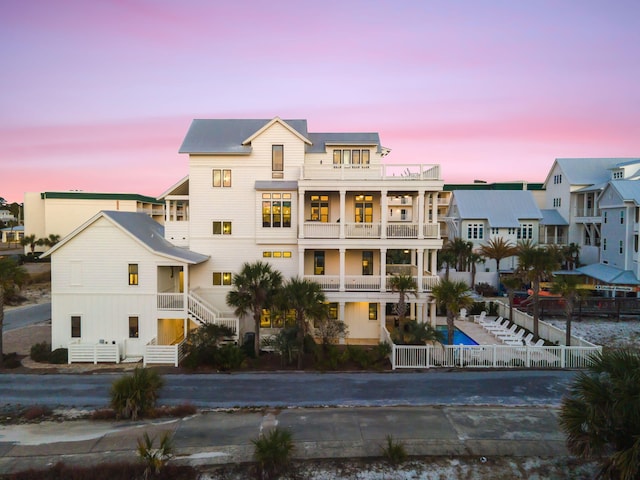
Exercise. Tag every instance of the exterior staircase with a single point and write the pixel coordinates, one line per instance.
(202, 312)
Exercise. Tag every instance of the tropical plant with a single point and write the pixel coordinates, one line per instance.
(460, 249)
(511, 283)
(498, 249)
(329, 330)
(474, 258)
(534, 265)
(601, 414)
(273, 452)
(12, 278)
(154, 458)
(202, 346)
(571, 256)
(452, 296)
(569, 287)
(404, 285)
(394, 451)
(135, 395)
(417, 333)
(253, 290)
(285, 344)
(50, 241)
(308, 301)
(446, 258)
(29, 241)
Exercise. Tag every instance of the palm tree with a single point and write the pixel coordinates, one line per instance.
(534, 265)
(418, 333)
(447, 258)
(569, 287)
(253, 290)
(404, 285)
(308, 301)
(474, 258)
(12, 277)
(31, 241)
(600, 414)
(511, 283)
(571, 255)
(461, 249)
(51, 240)
(498, 249)
(452, 296)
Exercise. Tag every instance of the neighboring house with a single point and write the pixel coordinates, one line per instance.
(619, 266)
(322, 206)
(478, 216)
(573, 187)
(59, 213)
(6, 216)
(115, 280)
(12, 234)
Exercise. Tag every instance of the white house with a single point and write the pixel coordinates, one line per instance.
(6, 216)
(323, 206)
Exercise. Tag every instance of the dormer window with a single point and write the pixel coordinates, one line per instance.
(352, 156)
(277, 161)
(618, 174)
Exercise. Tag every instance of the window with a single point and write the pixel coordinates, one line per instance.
(221, 178)
(636, 242)
(76, 327)
(367, 262)
(557, 179)
(618, 174)
(276, 210)
(557, 202)
(512, 231)
(277, 161)
(133, 274)
(221, 228)
(364, 209)
(133, 327)
(621, 217)
(620, 248)
(403, 214)
(373, 311)
(269, 320)
(319, 208)
(268, 254)
(318, 262)
(525, 232)
(495, 231)
(475, 231)
(337, 157)
(222, 278)
(351, 157)
(333, 311)
(605, 217)
(604, 244)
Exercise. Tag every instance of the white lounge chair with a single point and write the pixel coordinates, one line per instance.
(539, 343)
(507, 333)
(498, 325)
(463, 314)
(527, 339)
(480, 318)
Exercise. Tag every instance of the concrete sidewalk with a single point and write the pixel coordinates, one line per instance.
(212, 438)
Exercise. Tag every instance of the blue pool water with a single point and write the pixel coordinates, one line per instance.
(458, 336)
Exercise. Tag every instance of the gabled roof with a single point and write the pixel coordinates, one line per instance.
(450, 187)
(229, 136)
(181, 187)
(587, 171)
(100, 196)
(502, 208)
(609, 274)
(629, 190)
(551, 216)
(141, 228)
(320, 141)
(284, 124)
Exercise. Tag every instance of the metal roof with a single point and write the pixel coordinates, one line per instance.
(226, 136)
(552, 217)
(321, 140)
(609, 274)
(629, 190)
(450, 187)
(588, 171)
(100, 196)
(502, 208)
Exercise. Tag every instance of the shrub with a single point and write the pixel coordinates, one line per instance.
(272, 452)
(103, 414)
(11, 360)
(153, 458)
(394, 451)
(486, 289)
(284, 344)
(37, 411)
(40, 352)
(203, 344)
(229, 357)
(59, 355)
(134, 395)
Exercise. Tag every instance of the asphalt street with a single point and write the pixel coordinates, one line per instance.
(27, 315)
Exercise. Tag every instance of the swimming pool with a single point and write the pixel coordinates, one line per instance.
(459, 337)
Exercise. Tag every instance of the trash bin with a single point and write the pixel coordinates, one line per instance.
(249, 338)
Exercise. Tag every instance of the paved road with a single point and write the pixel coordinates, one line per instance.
(510, 388)
(27, 315)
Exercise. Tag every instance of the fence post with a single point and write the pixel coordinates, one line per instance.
(494, 356)
(393, 356)
(460, 354)
(563, 353)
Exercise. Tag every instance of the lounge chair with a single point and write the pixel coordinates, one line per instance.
(463, 314)
(539, 343)
(499, 324)
(480, 318)
(507, 333)
(527, 339)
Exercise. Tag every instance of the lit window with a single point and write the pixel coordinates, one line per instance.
(266, 254)
(364, 208)
(221, 178)
(276, 210)
(133, 327)
(222, 278)
(333, 311)
(222, 228)
(367, 262)
(373, 311)
(277, 254)
(76, 331)
(319, 208)
(133, 274)
(286, 254)
(318, 262)
(277, 161)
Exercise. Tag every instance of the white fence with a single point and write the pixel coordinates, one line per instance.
(93, 352)
(163, 354)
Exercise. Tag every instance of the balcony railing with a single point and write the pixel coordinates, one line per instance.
(402, 230)
(405, 172)
(587, 212)
(364, 283)
(370, 230)
(362, 230)
(170, 301)
(321, 230)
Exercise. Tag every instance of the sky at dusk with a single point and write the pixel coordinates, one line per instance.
(98, 95)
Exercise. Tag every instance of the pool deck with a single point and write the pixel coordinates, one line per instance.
(473, 330)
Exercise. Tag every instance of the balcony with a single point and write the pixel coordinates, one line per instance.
(587, 212)
(370, 230)
(364, 283)
(406, 172)
(171, 301)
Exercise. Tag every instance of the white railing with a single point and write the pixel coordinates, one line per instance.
(93, 352)
(431, 230)
(329, 283)
(362, 230)
(490, 356)
(155, 354)
(170, 301)
(362, 282)
(399, 230)
(321, 230)
(429, 282)
(202, 312)
(406, 172)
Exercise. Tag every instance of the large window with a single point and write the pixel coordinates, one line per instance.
(318, 262)
(276, 210)
(222, 278)
(76, 327)
(373, 311)
(525, 232)
(273, 320)
(277, 161)
(364, 209)
(319, 208)
(351, 157)
(475, 231)
(221, 228)
(133, 274)
(367, 262)
(134, 327)
(221, 178)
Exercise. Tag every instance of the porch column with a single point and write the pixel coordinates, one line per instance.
(420, 259)
(420, 312)
(432, 313)
(421, 211)
(342, 267)
(343, 210)
(341, 317)
(434, 207)
(300, 213)
(301, 262)
(167, 210)
(384, 213)
(434, 262)
(185, 289)
(383, 270)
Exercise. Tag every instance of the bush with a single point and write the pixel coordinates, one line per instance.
(59, 355)
(37, 411)
(486, 289)
(103, 414)
(11, 360)
(154, 459)
(203, 345)
(40, 352)
(229, 357)
(132, 396)
(273, 452)
(394, 452)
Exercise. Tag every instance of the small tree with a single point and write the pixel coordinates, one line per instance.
(417, 333)
(154, 458)
(569, 287)
(329, 330)
(273, 452)
(498, 249)
(452, 296)
(601, 414)
(405, 285)
(136, 394)
(31, 241)
(511, 283)
(12, 277)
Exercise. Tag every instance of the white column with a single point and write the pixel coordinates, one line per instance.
(343, 209)
(300, 213)
(421, 213)
(301, 262)
(434, 262)
(341, 316)
(342, 267)
(432, 314)
(383, 270)
(420, 312)
(384, 212)
(420, 262)
(434, 214)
